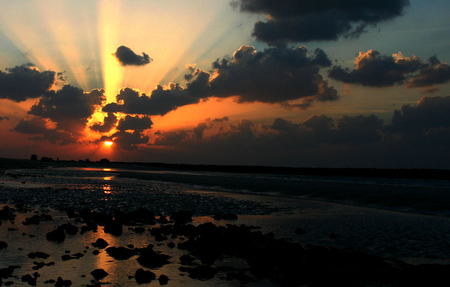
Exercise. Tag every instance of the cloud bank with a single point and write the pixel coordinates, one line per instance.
(25, 82)
(318, 20)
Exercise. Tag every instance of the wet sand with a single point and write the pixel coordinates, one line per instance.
(392, 234)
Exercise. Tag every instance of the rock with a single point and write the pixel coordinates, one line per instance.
(71, 229)
(243, 278)
(29, 279)
(57, 235)
(162, 219)
(38, 254)
(299, 231)
(90, 226)
(113, 228)
(151, 259)
(182, 217)
(62, 283)
(186, 259)
(229, 216)
(100, 243)
(139, 230)
(200, 272)
(99, 274)
(120, 253)
(7, 272)
(35, 219)
(171, 245)
(96, 252)
(143, 215)
(3, 244)
(144, 276)
(163, 279)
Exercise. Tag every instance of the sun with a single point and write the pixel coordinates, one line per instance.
(108, 143)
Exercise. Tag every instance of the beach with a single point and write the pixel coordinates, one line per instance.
(399, 224)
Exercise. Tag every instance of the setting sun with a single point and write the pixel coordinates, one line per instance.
(108, 143)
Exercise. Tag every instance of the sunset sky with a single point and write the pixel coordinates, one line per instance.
(320, 83)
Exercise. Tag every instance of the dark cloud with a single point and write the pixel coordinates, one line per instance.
(70, 108)
(124, 140)
(376, 70)
(322, 20)
(430, 112)
(275, 75)
(200, 129)
(162, 101)
(359, 129)
(170, 137)
(134, 123)
(108, 123)
(127, 57)
(38, 126)
(24, 82)
(434, 73)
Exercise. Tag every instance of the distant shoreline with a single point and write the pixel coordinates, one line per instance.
(434, 174)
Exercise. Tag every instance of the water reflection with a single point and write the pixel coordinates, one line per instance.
(106, 187)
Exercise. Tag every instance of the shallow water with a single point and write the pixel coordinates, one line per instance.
(369, 220)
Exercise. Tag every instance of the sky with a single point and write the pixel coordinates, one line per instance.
(320, 83)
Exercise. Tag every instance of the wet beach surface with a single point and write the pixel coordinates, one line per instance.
(312, 219)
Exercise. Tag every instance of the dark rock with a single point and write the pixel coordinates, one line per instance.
(299, 231)
(57, 235)
(71, 229)
(100, 243)
(29, 279)
(35, 219)
(139, 230)
(38, 254)
(113, 228)
(171, 245)
(90, 226)
(7, 272)
(143, 215)
(163, 279)
(182, 217)
(3, 244)
(243, 278)
(99, 274)
(162, 219)
(151, 259)
(62, 283)
(200, 272)
(120, 253)
(96, 252)
(144, 276)
(186, 259)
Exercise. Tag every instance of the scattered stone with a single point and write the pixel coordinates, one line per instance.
(3, 244)
(57, 235)
(144, 276)
(151, 259)
(186, 259)
(120, 253)
(71, 229)
(163, 279)
(162, 219)
(182, 217)
(100, 243)
(7, 272)
(62, 283)
(96, 252)
(31, 280)
(171, 245)
(113, 228)
(38, 254)
(200, 272)
(139, 230)
(99, 274)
